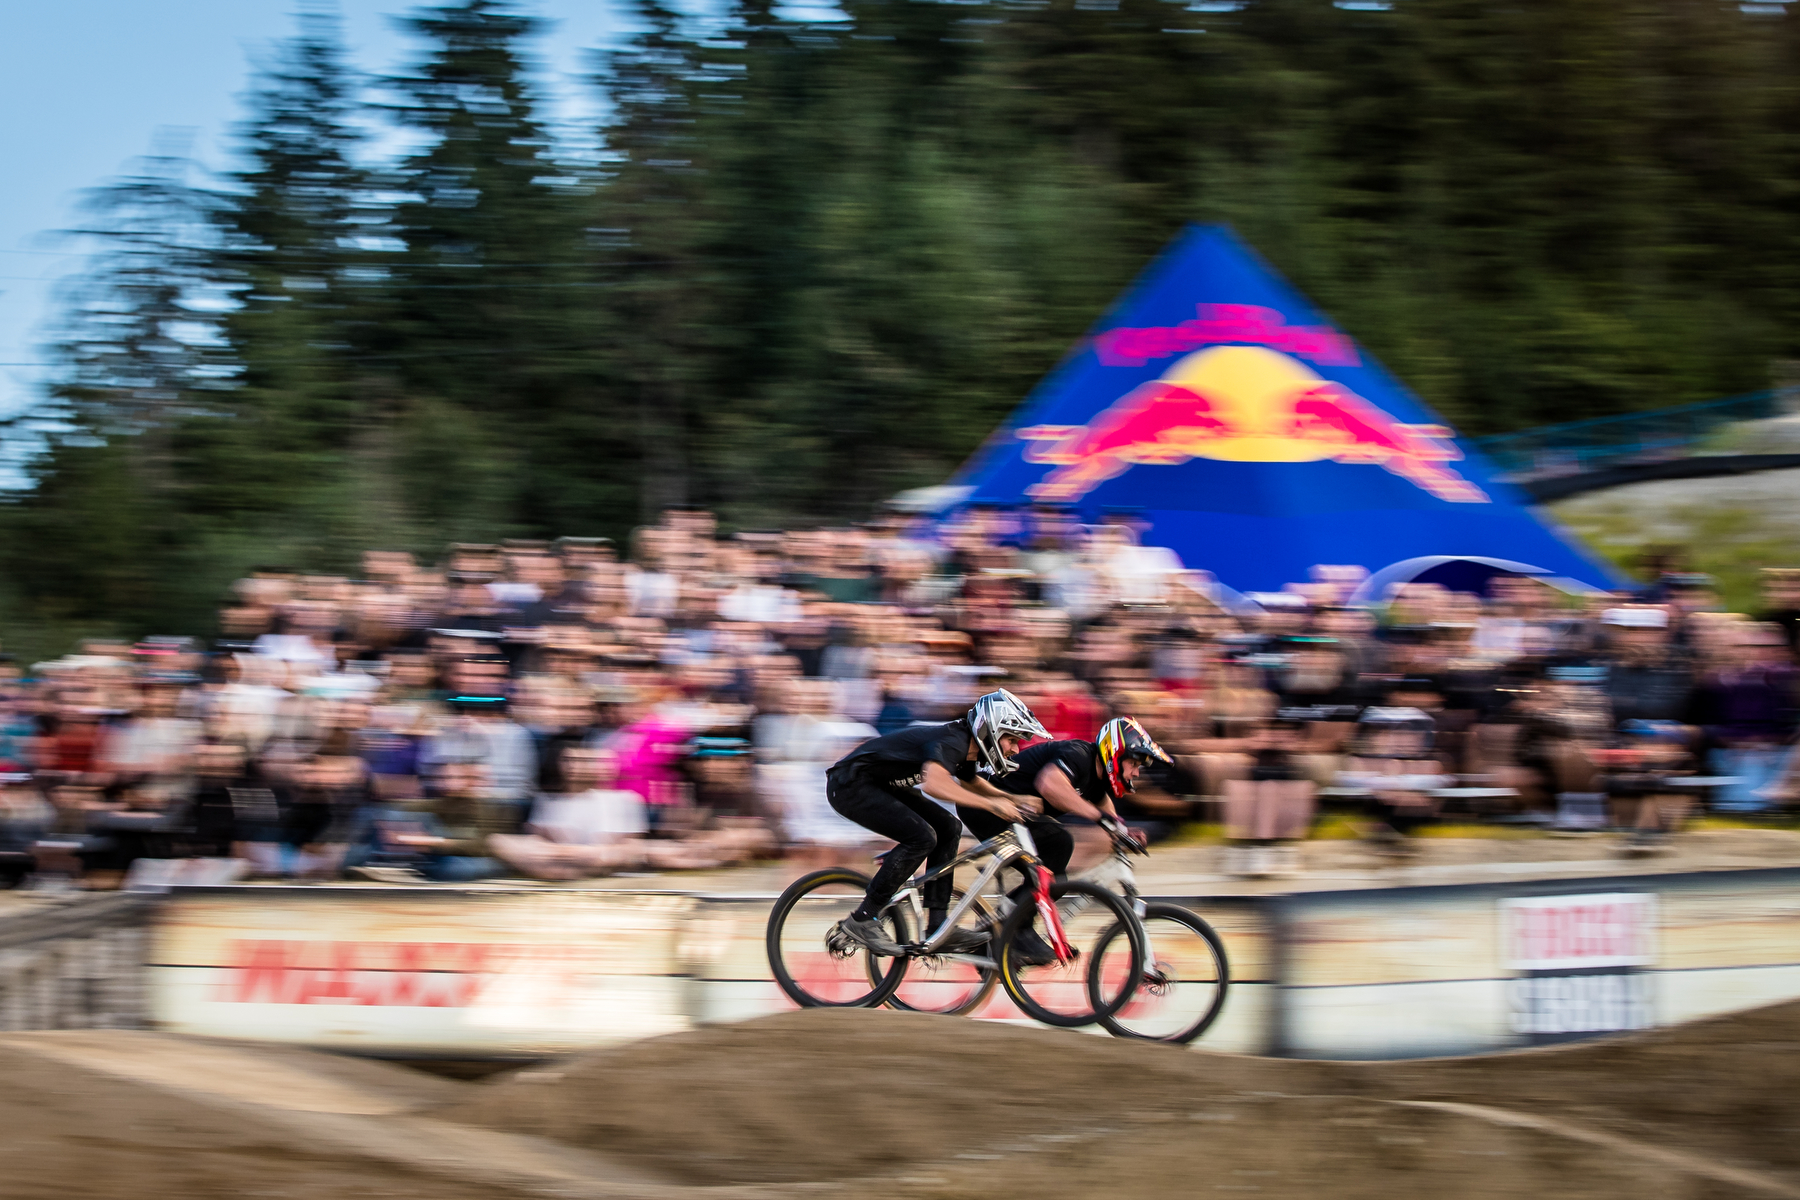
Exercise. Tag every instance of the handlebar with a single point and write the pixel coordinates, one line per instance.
(1121, 837)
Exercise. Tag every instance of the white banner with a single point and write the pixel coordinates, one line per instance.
(1576, 933)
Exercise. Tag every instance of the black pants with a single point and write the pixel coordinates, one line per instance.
(926, 832)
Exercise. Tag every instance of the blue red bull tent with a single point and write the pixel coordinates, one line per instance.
(1255, 437)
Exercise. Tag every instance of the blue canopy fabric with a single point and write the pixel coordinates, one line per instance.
(1254, 437)
(1457, 574)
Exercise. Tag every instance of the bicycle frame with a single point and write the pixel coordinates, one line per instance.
(1015, 847)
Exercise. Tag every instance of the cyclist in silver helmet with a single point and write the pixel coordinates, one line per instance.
(878, 786)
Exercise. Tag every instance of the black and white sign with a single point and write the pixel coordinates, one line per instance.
(1581, 961)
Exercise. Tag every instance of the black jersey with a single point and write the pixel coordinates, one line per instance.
(898, 759)
(1079, 760)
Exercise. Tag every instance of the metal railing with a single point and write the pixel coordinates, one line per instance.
(1578, 446)
(78, 964)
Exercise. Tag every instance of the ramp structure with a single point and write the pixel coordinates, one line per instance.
(1255, 437)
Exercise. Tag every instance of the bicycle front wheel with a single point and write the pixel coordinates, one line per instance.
(815, 968)
(942, 985)
(1068, 994)
(1182, 986)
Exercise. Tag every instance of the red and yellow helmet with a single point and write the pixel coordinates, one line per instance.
(1122, 738)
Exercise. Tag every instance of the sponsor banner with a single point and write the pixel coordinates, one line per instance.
(477, 973)
(1557, 1007)
(1581, 958)
(1366, 973)
(1560, 933)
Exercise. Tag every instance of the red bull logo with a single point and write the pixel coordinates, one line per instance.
(1241, 404)
(1215, 323)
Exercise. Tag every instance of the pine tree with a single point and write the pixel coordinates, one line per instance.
(291, 245)
(654, 228)
(99, 533)
(491, 307)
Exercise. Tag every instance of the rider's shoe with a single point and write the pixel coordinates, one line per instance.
(964, 941)
(870, 936)
(1033, 950)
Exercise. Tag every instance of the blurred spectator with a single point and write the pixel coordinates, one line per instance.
(1393, 760)
(1267, 812)
(443, 838)
(548, 709)
(581, 827)
(1746, 710)
(325, 794)
(1646, 680)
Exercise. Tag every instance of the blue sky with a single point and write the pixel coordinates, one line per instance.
(87, 84)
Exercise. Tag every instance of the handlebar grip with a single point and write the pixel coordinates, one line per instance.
(1121, 836)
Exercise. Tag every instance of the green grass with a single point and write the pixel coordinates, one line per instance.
(1492, 833)
(1337, 827)
(1786, 821)
(1729, 542)
(1196, 833)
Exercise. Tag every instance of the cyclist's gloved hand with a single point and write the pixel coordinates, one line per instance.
(1123, 834)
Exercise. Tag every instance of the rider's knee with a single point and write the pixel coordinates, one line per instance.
(920, 843)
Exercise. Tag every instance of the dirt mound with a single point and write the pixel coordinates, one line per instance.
(104, 1114)
(945, 1104)
(74, 1131)
(831, 1093)
(845, 1104)
(1727, 1087)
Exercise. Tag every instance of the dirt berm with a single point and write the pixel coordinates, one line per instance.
(852, 1104)
(957, 1108)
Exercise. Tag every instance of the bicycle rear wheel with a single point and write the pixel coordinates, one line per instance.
(815, 969)
(941, 985)
(1068, 994)
(1181, 988)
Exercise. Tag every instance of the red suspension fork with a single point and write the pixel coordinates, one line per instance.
(1052, 919)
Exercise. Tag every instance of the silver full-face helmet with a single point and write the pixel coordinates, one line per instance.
(997, 715)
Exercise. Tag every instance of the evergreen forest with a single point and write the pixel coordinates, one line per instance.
(801, 265)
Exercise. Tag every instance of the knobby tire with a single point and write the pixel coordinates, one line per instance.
(1015, 975)
(881, 981)
(1116, 1024)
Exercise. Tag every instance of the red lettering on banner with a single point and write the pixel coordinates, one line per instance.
(1579, 931)
(262, 974)
(337, 984)
(384, 974)
(407, 989)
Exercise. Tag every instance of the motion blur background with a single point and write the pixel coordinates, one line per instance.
(458, 447)
(503, 279)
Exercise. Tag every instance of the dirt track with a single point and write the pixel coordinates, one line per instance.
(856, 1103)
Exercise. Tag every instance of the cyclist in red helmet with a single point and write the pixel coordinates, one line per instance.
(1076, 777)
(1079, 778)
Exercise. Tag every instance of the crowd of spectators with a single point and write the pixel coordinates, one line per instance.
(574, 709)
